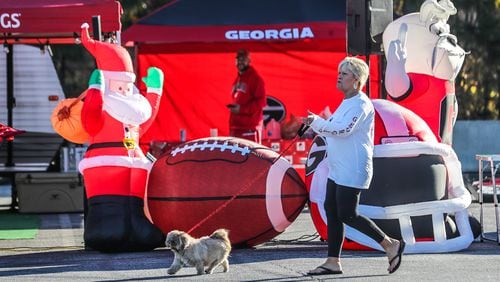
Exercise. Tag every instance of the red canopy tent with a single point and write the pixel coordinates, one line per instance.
(295, 45)
(44, 22)
(56, 21)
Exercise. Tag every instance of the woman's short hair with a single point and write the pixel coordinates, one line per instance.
(358, 67)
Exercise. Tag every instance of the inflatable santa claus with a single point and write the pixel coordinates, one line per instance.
(114, 168)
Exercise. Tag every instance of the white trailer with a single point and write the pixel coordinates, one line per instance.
(35, 80)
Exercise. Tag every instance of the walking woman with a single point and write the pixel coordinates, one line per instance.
(349, 133)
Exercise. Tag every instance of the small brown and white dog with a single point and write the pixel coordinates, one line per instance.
(208, 251)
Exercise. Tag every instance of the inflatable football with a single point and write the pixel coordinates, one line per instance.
(225, 182)
(417, 191)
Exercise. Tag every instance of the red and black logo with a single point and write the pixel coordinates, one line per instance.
(274, 109)
(317, 153)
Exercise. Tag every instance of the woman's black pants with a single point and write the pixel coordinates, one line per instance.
(341, 203)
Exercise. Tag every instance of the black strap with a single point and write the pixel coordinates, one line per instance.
(303, 128)
(105, 145)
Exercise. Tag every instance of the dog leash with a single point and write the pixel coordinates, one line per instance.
(303, 128)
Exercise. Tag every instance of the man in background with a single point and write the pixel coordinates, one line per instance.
(249, 99)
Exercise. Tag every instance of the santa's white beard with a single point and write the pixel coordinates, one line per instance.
(133, 109)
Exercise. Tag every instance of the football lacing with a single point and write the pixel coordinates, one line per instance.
(212, 146)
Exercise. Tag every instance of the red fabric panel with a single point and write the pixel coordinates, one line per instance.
(197, 87)
(255, 46)
(115, 180)
(380, 130)
(57, 17)
(417, 126)
(426, 98)
(374, 78)
(213, 34)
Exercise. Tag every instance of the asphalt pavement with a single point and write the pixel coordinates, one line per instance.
(57, 254)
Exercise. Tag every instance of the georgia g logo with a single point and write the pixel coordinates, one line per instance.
(274, 109)
(317, 153)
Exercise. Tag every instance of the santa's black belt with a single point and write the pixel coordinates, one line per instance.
(105, 145)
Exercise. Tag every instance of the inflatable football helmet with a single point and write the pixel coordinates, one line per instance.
(417, 191)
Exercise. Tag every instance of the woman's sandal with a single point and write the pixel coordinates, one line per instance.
(399, 256)
(321, 270)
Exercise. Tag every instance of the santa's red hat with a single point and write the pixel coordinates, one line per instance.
(112, 59)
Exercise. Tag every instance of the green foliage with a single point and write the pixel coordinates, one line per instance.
(73, 65)
(133, 10)
(476, 26)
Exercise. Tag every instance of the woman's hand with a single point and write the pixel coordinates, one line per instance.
(309, 119)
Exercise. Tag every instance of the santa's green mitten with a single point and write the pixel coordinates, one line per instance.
(96, 80)
(154, 80)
